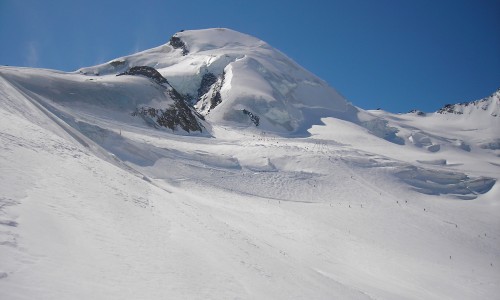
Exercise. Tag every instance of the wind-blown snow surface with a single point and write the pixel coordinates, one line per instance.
(96, 204)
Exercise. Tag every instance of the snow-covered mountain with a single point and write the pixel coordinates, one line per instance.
(215, 167)
(230, 76)
(490, 105)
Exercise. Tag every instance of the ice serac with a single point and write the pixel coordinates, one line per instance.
(226, 74)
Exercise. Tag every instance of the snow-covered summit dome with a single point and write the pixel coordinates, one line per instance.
(216, 38)
(234, 78)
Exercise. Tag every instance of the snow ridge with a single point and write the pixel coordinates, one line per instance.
(490, 105)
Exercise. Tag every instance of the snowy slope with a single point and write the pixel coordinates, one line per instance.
(96, 203)
(465, 129)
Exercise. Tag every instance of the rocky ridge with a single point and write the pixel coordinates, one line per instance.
(179, 114)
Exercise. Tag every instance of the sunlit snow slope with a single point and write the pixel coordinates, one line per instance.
(321, 200)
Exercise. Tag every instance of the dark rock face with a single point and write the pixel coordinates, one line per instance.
(177, 43)
(176, 115)
(216, 98)
(417, 112)
(449, 108)
(209, 92)
(206, 83)
(254, 118)
(147, 72)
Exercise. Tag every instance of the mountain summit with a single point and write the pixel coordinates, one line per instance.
(230, 77)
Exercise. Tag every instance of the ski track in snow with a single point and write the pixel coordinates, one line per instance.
(96, 206)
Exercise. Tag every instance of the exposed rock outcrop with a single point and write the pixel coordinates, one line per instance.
(209, 93)
(490, 104)
(254, 118)
(450, 108)
(147, 72)
(177, 43)
(207, 81)
(179, 114)
(417, 112)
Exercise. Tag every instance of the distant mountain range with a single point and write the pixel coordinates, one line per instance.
(490, 105)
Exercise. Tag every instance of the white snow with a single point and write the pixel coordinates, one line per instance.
(95, 204)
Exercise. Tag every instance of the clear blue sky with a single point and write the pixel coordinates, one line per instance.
(392, 54)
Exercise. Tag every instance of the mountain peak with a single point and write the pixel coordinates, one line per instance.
(242, 76)
(215, 38)
(490, 104)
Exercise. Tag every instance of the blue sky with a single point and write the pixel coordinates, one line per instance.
(389, 54)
